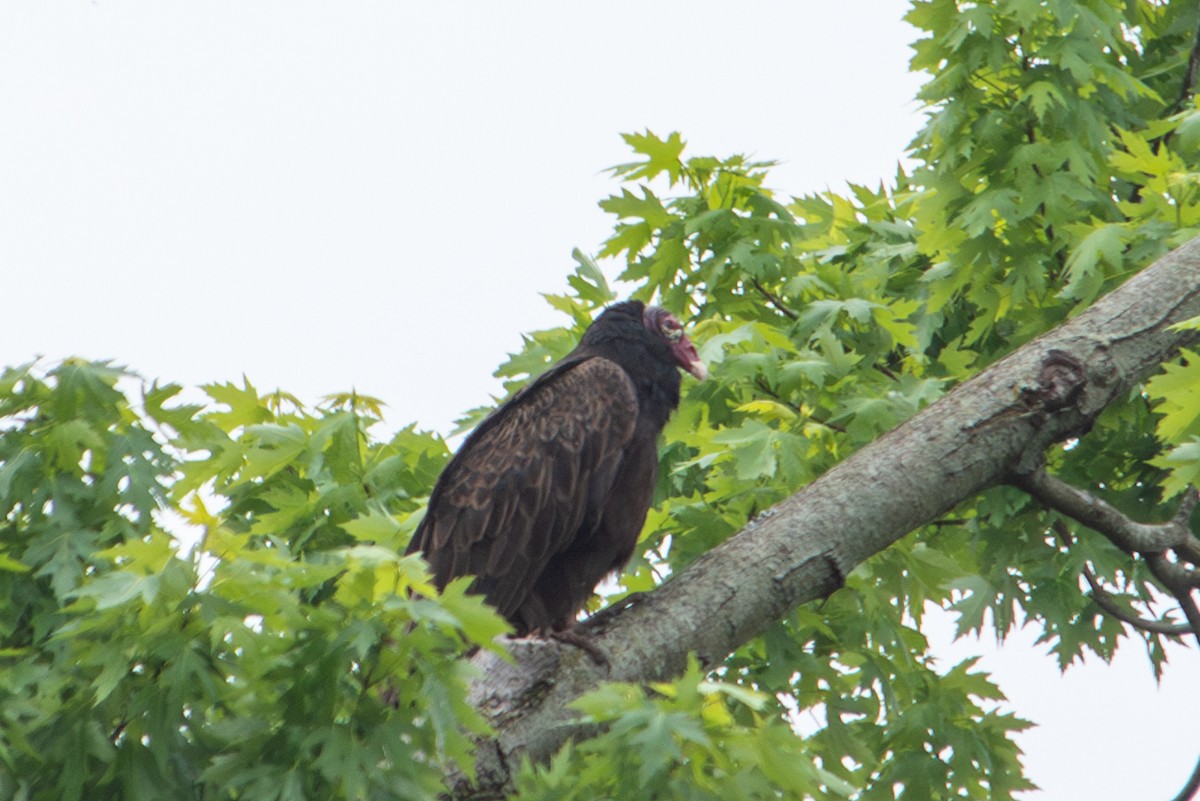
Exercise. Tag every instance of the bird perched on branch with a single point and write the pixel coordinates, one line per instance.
(548, 495)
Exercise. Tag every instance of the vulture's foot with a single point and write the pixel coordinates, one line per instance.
(573, 636)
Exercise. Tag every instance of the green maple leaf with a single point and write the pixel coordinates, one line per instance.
(1177, 390)
(662, 155)
(245, 408)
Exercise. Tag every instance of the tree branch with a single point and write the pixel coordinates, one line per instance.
(1101, 516)
(1105, 600)
(765, 388)
(1151, 540)
(774, 300)
(1189, 77)
(974, 438)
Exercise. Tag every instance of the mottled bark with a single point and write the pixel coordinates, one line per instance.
(997, 424)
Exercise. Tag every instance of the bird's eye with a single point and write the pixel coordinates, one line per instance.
(672, 330)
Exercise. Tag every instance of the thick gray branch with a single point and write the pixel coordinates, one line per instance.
(990, 427)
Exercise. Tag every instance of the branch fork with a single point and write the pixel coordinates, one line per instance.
(1170, 549)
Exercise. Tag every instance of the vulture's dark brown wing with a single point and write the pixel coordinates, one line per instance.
(533, 478)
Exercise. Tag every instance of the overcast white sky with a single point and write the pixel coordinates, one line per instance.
(371, 195)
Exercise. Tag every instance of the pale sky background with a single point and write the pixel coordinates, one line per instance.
(371, 195)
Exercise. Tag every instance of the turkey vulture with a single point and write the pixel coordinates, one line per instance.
(548, 495)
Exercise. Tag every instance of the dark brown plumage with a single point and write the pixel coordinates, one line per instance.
(550, 492)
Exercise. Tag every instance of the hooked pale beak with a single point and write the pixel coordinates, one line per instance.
(687, 358)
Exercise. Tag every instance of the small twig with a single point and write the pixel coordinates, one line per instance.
(765, 388)
(774, 300)
(883, 369)
(1189, 77)
(830, 426)
(1104, 599)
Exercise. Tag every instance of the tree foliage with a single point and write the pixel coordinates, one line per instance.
(269, 659)
(290, 652)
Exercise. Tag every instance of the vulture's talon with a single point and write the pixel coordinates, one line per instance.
(582, 642)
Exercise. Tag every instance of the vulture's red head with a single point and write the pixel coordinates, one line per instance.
(661, 323)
